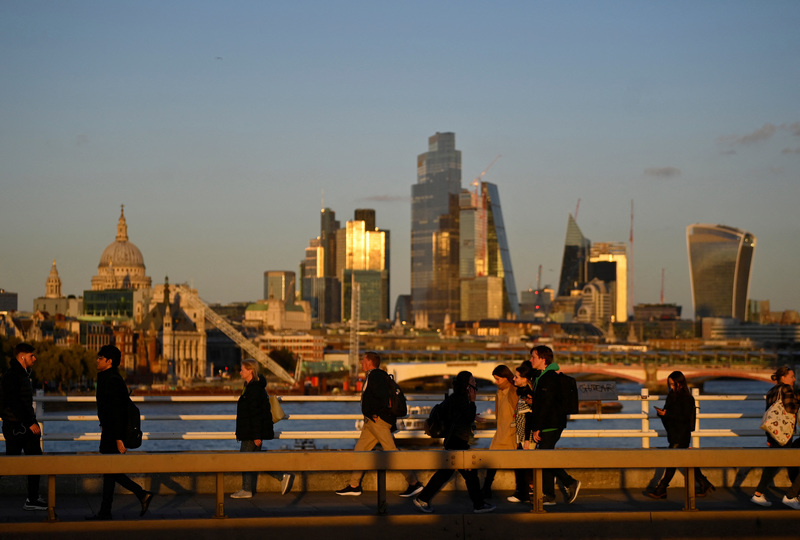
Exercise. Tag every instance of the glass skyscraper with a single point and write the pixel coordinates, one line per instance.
(720, 261)
(573, 266)
(435, 295)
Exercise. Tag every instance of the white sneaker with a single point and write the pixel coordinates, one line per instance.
(242, 494)
(760, 500)
(286, 483)
(792, 503)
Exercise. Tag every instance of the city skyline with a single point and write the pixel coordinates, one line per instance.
(224, 129)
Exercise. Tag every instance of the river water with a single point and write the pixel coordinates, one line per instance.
(720, 387)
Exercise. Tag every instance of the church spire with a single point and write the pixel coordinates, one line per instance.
(122, 226)
(53, 283)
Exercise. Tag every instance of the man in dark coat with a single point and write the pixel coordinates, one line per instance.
(112, 402)
(20, 428)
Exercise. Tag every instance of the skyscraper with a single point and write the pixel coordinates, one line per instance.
(608, 262)
(485, 257)
(720, 261)
(279, 285)
(363, 257)
(435, 295)
(573, 266)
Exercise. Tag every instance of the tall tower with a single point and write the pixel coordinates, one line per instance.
(435, 295)
(488, 289)
(720, 262)
(279, 285)
(608, 262)
(573, 266)
(53, 283)
(363, 258)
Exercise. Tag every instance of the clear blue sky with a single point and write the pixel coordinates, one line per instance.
(220, 124)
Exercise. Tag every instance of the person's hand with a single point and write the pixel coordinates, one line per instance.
(526, 445)
(258, 442)
(35, 429)
(121, 447)
(660, 412)
(537, 436)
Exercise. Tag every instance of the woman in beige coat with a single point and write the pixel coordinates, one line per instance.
(505, 403)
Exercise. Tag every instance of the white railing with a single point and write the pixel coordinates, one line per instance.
(640, 421)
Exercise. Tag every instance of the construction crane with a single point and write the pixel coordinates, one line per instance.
(248, 346)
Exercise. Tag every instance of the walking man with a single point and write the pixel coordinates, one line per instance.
(378, 423)
(112, 401)
(549, 420)
(20, 428)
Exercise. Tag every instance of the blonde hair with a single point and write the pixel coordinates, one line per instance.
(250, 365)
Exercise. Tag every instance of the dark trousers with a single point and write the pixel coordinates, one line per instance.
(669, 472)
(522, 481)
(548, 442)
(441, 477)
(20, 440)
(768, 473)
(109, 480)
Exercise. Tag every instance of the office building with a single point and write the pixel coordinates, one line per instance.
(484, 257)
(608, 262)
(573, 265)
(279, 285)
(720, 262)
(435, 295)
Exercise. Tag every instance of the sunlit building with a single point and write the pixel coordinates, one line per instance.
(435, 295)
(608, 262)
(573, 265)
(720, 262)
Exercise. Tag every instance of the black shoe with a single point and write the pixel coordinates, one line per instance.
(659, 492)
(145, 500)
(413, 489)
(98, 517)
(704, 487)
(36, 504)
(349, 491)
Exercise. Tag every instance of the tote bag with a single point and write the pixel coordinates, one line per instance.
(778, 423)
(276, 409)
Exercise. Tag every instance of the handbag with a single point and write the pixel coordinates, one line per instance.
(778, 423)
(276, 409)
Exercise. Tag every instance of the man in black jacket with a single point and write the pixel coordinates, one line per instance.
(20, 428)
(378, 423)
(548, 420)
(112, 402)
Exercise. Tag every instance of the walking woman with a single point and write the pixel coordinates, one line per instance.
(523, 376)
(253, 421)
(784, 390)
(505, 404)
(678, 417)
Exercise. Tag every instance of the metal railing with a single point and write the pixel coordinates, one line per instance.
(641, 427)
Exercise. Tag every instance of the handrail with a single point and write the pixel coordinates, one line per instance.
(380, 462)
(644, 431)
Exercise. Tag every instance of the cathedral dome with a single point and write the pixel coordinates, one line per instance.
(121, 264)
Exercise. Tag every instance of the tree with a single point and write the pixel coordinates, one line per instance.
(284, 358)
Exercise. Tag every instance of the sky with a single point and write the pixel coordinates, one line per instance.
(224, 127)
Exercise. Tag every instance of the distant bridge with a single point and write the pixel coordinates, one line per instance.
(650, 375)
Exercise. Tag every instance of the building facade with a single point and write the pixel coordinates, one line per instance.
(720, 262)
(435, 295)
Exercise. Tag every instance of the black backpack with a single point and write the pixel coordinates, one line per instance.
(434, 424)
(569, 394)
(397, 400)
(133, 429)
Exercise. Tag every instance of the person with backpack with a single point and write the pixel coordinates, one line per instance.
(379, 423)
(548, 420)
(112, 406)
(458, 415)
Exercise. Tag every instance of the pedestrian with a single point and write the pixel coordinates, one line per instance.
(21, 430)
(548, 420)
(379, 423)
(505, 403)
(254, 425)
(112, 401)
(784, 378)
(678, 417)
(458, 414)
(523, 383)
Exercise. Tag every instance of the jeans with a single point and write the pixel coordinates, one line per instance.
(109, 480)
(441, 477)
(19, 440)
(250, 479)
(768, 473)
(669, 472)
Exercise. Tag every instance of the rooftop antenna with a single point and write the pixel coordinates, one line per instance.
(323, 198)
(662, 285)
(577, 207)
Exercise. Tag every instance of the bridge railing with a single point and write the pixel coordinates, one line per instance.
(641, 422)
(380, 462)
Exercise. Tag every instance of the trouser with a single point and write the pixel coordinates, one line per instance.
(768, 473)
(441, 477)
(108, 446)
(374, 433)
(19, 440)
(250, 479)
(522, 480)
(669, 472)
(548, 442)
